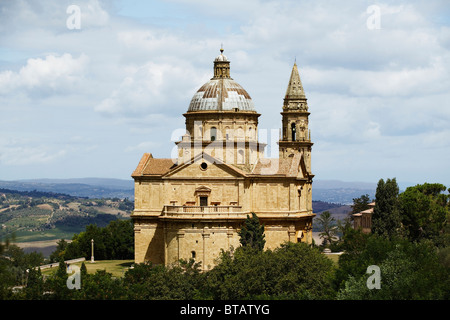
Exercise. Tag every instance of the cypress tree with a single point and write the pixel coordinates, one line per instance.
(252, 233)
(386, 217)
(35, 284)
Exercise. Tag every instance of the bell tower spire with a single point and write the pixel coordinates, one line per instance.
(295, 88)
(295, 137)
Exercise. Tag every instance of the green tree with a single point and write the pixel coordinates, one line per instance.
(360, 251)
(7, 278)
(425, 212)
(386, 217)
(35, 284)
(83, 270)
(252, 233)
(81, 244)
(114, 241)
(56, 284)
(180, 281)
(60, 251)
(18, 262)
(292, 271)
(342, 228)
(120, 239)
(344, 225)
(100, 286)
(360, 204)
(23, 260)
(409, 271)
(327, 224)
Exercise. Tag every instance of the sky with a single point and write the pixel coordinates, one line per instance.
(88, 86)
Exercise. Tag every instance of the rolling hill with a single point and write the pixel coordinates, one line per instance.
(38, 215)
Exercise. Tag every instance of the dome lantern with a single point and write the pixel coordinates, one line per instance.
(221, 66)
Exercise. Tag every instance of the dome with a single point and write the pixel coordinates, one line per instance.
(221, 93)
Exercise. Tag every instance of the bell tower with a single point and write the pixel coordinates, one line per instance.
(295, 136)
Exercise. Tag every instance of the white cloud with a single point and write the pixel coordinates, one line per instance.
(151, 88)
(44, 76)
(375, 96)
(93, 14)
(20, 153)
(51, 15)
(394, 82)
(142, 147)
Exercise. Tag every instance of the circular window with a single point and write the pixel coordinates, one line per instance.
(204, 166)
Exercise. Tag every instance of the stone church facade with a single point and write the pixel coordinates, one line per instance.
(194, 206)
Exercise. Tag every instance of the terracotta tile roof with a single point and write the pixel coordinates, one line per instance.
(370, 210)
(152, 166)
(141, 165)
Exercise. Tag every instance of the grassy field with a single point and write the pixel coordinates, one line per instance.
(52, 234)
(334, 258)
(116, 267)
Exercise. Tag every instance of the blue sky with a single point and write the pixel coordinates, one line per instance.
(89, 102)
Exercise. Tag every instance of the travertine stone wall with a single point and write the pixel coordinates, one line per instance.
(163, 237)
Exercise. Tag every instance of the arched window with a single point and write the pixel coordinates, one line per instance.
(240, 133)
(227, 132)
(293, 131)
(240, 159)
(199, 132)
(213, 133)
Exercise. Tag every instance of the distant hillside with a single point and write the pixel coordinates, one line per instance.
(338, 211)
(341, 192)
(337, 184)
(105, 182)
(343, 196)
(36, 215)
(84, 187)
(320, 206)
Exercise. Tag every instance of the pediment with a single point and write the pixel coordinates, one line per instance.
(203, 189)
(204, 166)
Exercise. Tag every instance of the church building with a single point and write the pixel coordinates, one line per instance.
(194, 206)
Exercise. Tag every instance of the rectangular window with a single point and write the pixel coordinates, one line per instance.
(203, 201)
